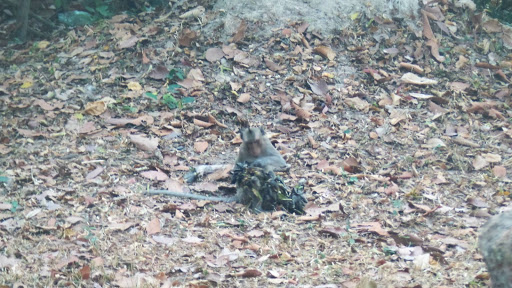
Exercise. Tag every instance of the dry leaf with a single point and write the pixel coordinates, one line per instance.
(127, 43)
(412, 67)
(479, 162)
(325, 51)
(240, 33)
(134, 86)
(144, 143)
(186, 37)
(153, 227)
(196, 12)
(244, 98)
(200, 146)
(95, 108)
(154, 175)
(499, 171)
(159, 72)
(411, 78)
(214, 54)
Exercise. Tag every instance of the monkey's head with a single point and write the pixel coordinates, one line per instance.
(252, 137)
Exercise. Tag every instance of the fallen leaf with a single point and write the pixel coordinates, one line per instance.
(85, 272)
(200, 146)
(134, 86)
(160, 72)
(248, 273)
(434, 143)
(244, 98)
(93, 174)
(411, 78)
(326, 52)
(192, 240)
(144, 143)
(95, 108)
(499, 171)
(153, 226)
(186, 37)
(240, 33)
(127, 43)
(318, 87)
(196, 12)
(214, 54)
(479, 162)
(154, 175)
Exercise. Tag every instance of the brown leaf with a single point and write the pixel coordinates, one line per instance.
(255, 233)
(203, 124)
(186, 37)
(244, 98)
(214, 54)
(66, 262)
(492, 158)
(479, 162)
(46, 106)
(492, 26)
(153, 226)
(478, 202)
(154, 175)
(412, 67)
(127, 43)
(459, 86)
(144, 143)
(408, 240)
(272, 66)
(85, 272)
(249, 273)
(411, 78)
(427, 30)
(434, 50)
(332, 231)
(192, 240)
(240, 33)
(93, 174)
(350, 165)
(95, 108)
(499, 171)
(507, 37)
(319, 87)
(486, 65)
(196, 12)
(195, 74)
(160, 72)
(371, 227)
(325, 52)
(200, 146)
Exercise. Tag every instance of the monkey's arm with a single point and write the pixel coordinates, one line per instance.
(274, 162)
(191, 196)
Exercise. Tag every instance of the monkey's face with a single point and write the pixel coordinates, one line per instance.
(254, 148)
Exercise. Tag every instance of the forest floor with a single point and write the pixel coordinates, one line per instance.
(404, 138)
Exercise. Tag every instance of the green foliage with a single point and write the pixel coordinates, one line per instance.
(176, 74)
(499, 9)
(171, 102)
(14, 206)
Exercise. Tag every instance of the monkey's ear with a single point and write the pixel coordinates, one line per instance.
(262, 130)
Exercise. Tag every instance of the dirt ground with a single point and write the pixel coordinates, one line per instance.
(404, 139)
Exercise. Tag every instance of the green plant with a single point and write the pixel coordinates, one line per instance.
(499, 9)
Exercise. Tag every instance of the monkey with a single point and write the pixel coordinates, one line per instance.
(253, 174)
(257, 150)
(257, 188)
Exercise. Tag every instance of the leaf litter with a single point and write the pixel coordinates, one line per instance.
(405, 155)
